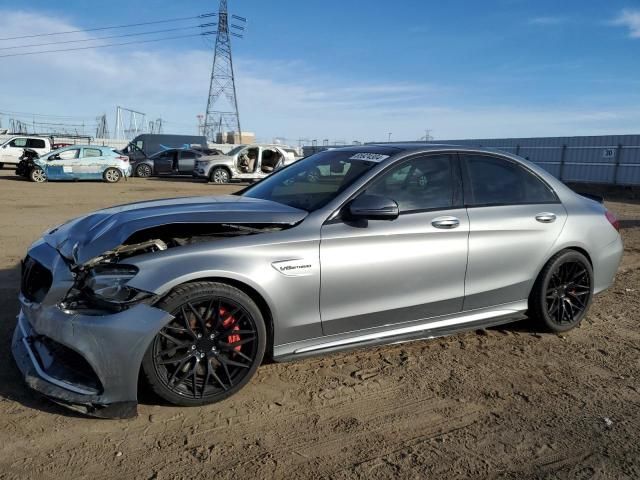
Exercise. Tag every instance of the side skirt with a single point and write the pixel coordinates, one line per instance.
(400, 334)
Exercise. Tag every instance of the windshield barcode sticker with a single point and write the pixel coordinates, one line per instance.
(374, 157)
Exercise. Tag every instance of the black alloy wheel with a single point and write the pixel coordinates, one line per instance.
(211, 348)
(563, 292)
(143, 170)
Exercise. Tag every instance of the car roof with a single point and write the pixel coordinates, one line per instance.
(417, 147)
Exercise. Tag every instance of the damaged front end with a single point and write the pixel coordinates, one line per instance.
(83, 328)
(101, 284)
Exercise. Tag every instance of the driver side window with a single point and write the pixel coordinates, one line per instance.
(69, 154)
(423, 183)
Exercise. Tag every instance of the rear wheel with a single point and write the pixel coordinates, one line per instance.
(37, 175)
(563, 291)
(111, 175)
(143, 170)
(211, 348)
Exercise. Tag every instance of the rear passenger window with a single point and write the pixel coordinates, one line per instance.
(424, 183)
(35, 143)
(495, 181)
(92, 152)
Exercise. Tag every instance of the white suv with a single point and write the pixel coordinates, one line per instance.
(12, 149)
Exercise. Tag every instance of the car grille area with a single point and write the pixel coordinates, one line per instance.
(36, 280)
(64, 364)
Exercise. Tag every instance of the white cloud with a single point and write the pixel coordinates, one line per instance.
(629, 18)
(277, 98)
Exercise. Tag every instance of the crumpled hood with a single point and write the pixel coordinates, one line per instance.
(84, 238)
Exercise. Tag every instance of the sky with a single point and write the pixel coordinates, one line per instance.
(340, 70)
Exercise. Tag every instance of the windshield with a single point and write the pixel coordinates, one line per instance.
(233, 151)
(312, 182)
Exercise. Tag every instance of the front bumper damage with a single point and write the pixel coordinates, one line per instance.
(87, 362)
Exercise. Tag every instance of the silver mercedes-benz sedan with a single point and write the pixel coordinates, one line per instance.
(346, 248)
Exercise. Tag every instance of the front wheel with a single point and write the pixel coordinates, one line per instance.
(37, 175)
(111, 175)
(219, 175)
(211, 348)
(563, 291)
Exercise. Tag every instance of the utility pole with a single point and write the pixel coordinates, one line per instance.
(222, 105)
(389, 137)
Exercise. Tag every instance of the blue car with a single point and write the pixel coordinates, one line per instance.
(81, 162)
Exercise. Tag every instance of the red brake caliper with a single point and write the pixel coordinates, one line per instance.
(227, 323)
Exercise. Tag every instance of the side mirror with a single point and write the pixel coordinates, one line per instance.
(373, 207)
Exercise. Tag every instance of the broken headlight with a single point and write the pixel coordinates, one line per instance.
(108, 283)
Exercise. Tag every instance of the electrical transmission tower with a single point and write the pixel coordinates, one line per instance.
(222, 105)
(102, 129)
(155, 126)
(135, 125)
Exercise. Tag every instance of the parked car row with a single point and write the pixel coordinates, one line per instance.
(145, 156)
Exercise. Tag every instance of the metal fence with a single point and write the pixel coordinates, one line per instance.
(607, 159)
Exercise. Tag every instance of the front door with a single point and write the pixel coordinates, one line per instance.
(411, 268)
(515, 219)
(63, 165)
(163, 162)
(12, 151)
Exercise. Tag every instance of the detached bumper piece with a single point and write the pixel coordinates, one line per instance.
(63, 376)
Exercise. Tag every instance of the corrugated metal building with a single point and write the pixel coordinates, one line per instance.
(606, 159)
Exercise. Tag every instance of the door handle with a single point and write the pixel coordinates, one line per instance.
(445, 222)
(546, 217)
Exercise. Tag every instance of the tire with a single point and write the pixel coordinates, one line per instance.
(112, 175)
(143, 170)
(562, 293)
(219, 175)
(201, 357)
(37, 175)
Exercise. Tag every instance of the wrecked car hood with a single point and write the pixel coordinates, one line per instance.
(85, 238)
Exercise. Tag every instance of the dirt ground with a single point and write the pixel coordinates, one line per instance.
(501, 403)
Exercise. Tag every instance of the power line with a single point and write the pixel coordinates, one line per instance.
(27, 114)
(110, 36)
(107, 45)
(204, 15)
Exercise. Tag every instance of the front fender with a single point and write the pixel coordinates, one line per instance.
(292, 300)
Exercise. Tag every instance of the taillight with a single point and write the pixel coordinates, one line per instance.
(124, 159)
(613, 220)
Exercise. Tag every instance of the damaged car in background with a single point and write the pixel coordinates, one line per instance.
(395, 243)
(74, 162)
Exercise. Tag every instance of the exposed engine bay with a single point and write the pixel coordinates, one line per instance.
(100, 283)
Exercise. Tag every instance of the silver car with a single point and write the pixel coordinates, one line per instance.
(243, 163)
(390, 244)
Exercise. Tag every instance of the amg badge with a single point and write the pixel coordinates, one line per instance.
(294, 268)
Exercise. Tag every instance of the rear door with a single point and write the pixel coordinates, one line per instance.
(515, 218)
(91, 164)
(411, 268)
(38, 144)
(186, 161)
